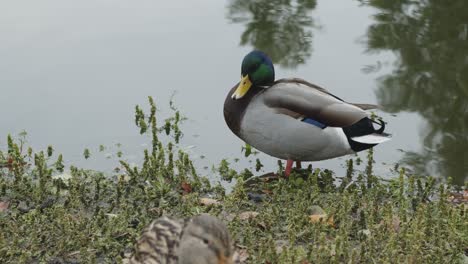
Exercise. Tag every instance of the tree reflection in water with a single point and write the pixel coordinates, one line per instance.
(431, 77)
(281, 28)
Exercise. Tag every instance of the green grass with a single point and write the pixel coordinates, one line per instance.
(92, 218)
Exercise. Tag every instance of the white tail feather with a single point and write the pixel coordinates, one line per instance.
(372, 138)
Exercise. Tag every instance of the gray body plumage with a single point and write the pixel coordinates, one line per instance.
(285, 137)
(204, 239)
(271, 120)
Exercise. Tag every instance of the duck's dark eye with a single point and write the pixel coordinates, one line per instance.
(206, 241)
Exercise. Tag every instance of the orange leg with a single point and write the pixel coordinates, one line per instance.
(289, 164)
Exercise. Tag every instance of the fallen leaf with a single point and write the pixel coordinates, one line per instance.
(396, 223)
(4, 206)
(247, 215)
(458, 197)
(111, 215)
(318, 215)
(209, 201)
(322, 218)
(10, 164)
(186, 187)
(317, 218)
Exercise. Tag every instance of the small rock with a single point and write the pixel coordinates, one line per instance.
(227, 217)
(316, 210)
(365, 232)
(247, 215)
(258, 198)
(64, 176)
(23, 208)
(240, 256)
(280, 244)
(209, 201)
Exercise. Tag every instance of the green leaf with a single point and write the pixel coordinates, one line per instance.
(86, 153)
(248, 150)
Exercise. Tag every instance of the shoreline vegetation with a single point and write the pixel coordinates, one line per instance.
(314, 216)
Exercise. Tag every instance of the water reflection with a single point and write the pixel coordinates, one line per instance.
(281, 28)
(430, 77)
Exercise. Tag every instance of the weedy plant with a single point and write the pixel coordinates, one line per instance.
(312, 217)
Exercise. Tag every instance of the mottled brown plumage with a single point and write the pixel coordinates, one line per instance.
(201, 239)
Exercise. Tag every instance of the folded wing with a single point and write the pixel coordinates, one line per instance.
(312, 101)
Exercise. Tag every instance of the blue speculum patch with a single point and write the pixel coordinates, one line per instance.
(314, 122)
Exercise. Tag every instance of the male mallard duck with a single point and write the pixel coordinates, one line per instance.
(203, 239)
(295, 120)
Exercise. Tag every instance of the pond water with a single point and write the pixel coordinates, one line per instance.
(71, 72)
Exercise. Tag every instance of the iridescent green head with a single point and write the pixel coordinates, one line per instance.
(257, 70)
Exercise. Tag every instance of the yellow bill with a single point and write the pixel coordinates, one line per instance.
(243, 87)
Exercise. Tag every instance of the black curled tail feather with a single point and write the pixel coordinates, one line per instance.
(382, 126)
(362, 128)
